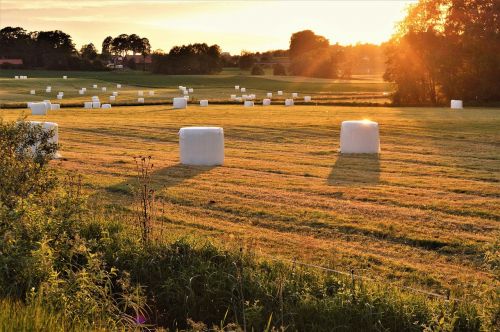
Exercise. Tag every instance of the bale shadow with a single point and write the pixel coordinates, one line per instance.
(162, 179)
(355, 170)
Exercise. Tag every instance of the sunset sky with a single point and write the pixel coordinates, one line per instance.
(234, 25)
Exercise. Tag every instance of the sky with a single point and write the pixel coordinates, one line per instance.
(235, 25)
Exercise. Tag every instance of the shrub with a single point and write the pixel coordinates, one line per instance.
(279, 70)
(257, 70)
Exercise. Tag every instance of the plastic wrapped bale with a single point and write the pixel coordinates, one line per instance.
(96, 104)
(140, 100)
(38, 108)
(248, 103)
(204, 103)
(84, 89)
(140, 93)
(280, 93)
(252, 96)
(295, 95)
(54, 107)
(47, 104)
(186, 97)
(151, 93)
(233, 97)
(95, 98)
(180, 102)
(266, 102)
(243, 90)
(185, 92)
(288, 102)
(29, 104)
(87, 104)
(236, 87)
(48, 126)
(112, 98)
(269, 95)
(191, 90)
(359, 137)
(103, 89)
(94, 86)
(456, 104)
(16, 77)
(81, 92)
(203, 146)
(32, 92)
(106, 106)
(115, 93)
(181, 87)
(245, 97)
(118, 86)
(65, 77)
(59, 97)
(239, 99)
(307, 99)
(48, 90)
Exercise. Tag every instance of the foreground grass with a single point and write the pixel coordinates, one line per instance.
(425, 213)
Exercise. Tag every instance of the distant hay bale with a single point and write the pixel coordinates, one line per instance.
(106, 106)
(81, 92)
(269, 95)
(38, 108)
(48, 126)
(248, 103)
(233, 97)
(359, 137)
(295, 95)
(236, 87)
(140, 93)
(54, 107)
(94, 86)
(16, 77)
(307, 99)
(289, 102)
(103, 89)
(65, 77)
(202, 146)
(115, 93)
(140, 100)
(456, 104)
(204, 103)
(32, 92)
(180, 102)
(112, 98)
(191, 90)
(266, 102)
(151, 93)
(118, 86)
(87, 104)
(96, 104)
(243, 89)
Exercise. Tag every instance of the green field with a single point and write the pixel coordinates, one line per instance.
(215, 88)
(424, 213)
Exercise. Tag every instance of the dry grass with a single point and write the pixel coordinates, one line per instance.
(425, 212)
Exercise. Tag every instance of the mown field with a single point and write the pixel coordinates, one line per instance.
(215, 88)
(424, 213)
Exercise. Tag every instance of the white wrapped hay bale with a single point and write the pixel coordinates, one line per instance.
(16, 77)
(59, 96)
(81, 92)
(456, 104)
(115, 93)
(280, 93)
(48, 90)
(266, 102)
(248, 103)
(112, 98)
(103, 89)
(289, 102)
(203, 146)
(47, 104)
(106, 106)
(87, 104)
(236, 87)
(295, 95)
(29, 104)
(359, 137)
(233, 97)
(269, 95)
(94, 86)
(140, 100)
(239, 99)
(191, 90)
(96, 104)
(84, 89)
(54, 107)
(307, 99)
(251, 96)
(186, 97)
(204, 103)
(245, 97)
(181, 87)
(38, 108)
(118, 86)
(32, 92)
(151, 93)
(48, 126)
(180, 102)
(65, 77)
(95, 98)
(140, 93)
(185, 92)
(243, 90)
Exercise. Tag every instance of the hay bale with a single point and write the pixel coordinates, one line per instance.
(81, 92)
(118, 86)
(140, 93)
(48, 126)
(32, 92)
(115, 93)
(236, 87)
(95, 98)
(96, 104)
(16, 77)
(180, 102)
(65, 77)
(54, 107)
(140, 100)
(103, 89)
(87, 104)
(266, 102)
(269, 95)
(112, 98)
(233, 97)
(359, 137)
(248, 103)
(151, 93)
(243, 90)
(84, 89)
(38, 108)
(106, 106)
(202, 146)
(289, 102)
(456, 104)
(295, 95)
(185, 92)
(280, 93)
(307, 99)
(59, 96)
(94, 86)
(191, 90)
(204, 103)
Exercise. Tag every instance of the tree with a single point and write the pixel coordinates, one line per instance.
(88, 51)
(257, 70)
(106, 47)
(279, 70)
(120, 45)
(247, 60)
(305, 41)
(145, 49)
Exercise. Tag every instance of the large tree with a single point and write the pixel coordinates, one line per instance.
(305, 41)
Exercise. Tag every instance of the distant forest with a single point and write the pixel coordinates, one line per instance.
(444, 49)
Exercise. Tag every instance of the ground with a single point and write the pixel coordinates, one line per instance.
(424, 212)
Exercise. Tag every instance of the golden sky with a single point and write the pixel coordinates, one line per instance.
(234, 25)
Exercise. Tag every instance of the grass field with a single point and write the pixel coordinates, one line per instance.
(368, 89)
(424, 213)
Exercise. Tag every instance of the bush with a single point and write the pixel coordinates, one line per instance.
(279, 70)
(257, 70)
